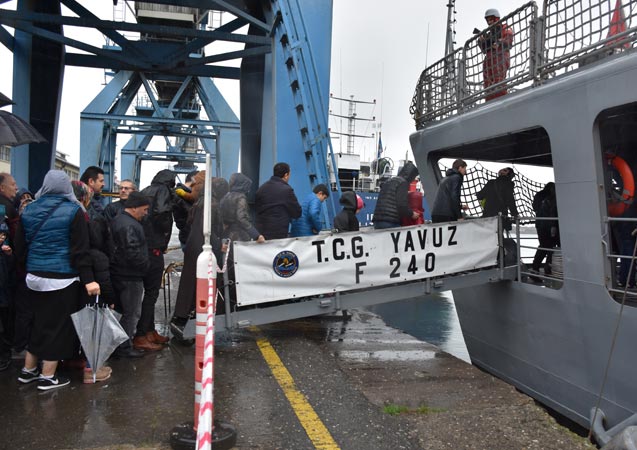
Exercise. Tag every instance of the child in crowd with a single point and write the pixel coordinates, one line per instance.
(346, 220)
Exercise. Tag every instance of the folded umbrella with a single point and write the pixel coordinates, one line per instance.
(100, 333)
(16, 131)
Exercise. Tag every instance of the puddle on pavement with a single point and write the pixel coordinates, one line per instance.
(387, 355)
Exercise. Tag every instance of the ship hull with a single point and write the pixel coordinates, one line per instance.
(554, 344)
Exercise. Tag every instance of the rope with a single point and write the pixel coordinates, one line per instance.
(225, 262)
(614, 340)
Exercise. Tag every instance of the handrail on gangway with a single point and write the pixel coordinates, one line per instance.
(333, 272)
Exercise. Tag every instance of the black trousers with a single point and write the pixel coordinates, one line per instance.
(546, 242)
(152, 284)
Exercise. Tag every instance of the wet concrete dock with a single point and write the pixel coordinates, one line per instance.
(371, 386)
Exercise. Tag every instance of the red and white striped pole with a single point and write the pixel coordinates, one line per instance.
(204, 348)
(206, 433)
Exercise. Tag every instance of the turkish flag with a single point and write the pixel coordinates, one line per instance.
(617, 24)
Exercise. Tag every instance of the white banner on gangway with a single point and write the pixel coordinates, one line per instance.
(301, 267)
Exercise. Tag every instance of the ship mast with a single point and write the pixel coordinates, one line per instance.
(451, 32)
(449, 91)
(352, 117)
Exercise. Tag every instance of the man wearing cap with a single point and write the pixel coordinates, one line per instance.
(495, 43)
(129, 264)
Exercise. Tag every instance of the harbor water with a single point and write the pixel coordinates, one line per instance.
(434, 318)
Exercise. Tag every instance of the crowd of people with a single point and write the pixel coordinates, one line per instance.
(62, 247)
(497, 198)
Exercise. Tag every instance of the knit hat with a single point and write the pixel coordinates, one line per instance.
(136, 199)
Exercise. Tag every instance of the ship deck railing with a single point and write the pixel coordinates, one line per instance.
(611, 241)
(525, 273)
(564, 36)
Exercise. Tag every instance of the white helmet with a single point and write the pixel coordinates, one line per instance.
(492, 12)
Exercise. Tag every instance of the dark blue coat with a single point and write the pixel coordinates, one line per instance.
(276, 206)
(48, 233)
(447, 202)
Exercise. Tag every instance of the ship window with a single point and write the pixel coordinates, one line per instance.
(528, 152)
(618, 140)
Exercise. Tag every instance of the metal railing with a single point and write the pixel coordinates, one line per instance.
(579, 32)
(616, 257)
(555, 278)
(569, 34)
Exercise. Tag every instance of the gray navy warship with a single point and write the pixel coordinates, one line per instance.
(567, 101)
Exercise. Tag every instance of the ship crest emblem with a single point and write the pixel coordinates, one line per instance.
(285, 264)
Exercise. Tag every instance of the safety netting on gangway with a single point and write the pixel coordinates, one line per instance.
(477, 176)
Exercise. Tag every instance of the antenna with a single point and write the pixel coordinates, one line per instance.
(351, 120)
(451, 25)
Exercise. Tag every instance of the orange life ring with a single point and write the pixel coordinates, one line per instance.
(617, 206)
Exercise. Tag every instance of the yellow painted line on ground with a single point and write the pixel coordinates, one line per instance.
(314, 427)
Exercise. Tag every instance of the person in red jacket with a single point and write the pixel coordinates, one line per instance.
(414, 200)
(495, 43)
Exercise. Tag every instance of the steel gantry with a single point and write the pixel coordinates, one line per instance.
(162, 65)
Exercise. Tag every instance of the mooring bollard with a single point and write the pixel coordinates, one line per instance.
(205, 433)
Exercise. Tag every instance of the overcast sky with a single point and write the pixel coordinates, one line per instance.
(378, 52)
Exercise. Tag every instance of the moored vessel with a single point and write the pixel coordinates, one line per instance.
(568, 101)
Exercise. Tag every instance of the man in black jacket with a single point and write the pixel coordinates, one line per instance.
(114, 208)
(129, 264)
(392, 204)
(93, 177)
(276, 204)
(498, 197)
(158, 227)
(447, 206)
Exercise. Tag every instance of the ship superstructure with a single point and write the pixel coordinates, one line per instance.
(570, 104)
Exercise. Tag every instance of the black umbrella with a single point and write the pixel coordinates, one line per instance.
(4, 100)
(15, 131)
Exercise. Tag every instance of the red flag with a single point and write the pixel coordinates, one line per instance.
(617, 24)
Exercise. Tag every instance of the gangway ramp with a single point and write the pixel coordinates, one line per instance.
(293, 278)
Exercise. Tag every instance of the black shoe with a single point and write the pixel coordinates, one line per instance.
(534, 278)
(127, 352)
(27, 377)
(57, 381)
(179, 322)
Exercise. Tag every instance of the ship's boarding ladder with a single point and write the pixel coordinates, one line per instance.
(352, 270)
(290, 33)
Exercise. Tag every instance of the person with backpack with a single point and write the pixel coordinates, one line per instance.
(158, 226)
(497, 197)
(548, 235)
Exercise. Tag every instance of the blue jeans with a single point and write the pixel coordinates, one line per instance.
(130, 294)
(381, 225)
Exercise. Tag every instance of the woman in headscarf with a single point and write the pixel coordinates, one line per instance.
(52, 239)
(185, 302)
